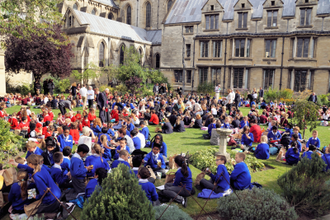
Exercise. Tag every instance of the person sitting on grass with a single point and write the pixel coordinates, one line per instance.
(262, 150)
(292, 155)
(155, 160)
(166, 127)
(147, 186)
(32, 148)
(326, 158)
(99, 175)
(219, 181)
(145, 129)
(314, 140)
(274, 136)
(154, 120)
(247, 139)
(312, 149)
(61, 177)
(65, 139)
(123, 158)
(240, 178)
(179, 125)
(96, 160)
(122, 146)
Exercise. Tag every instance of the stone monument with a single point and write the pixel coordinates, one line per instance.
(223, 135)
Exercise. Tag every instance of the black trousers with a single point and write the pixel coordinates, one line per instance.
(62, 109)
(90, 103)
(171, 191)
(229, 107)
(102, 115)
(209, 184)
(52, 208)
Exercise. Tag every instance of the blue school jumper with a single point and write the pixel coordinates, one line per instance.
(262, 151)
(152, 161)
(90, 188)
(291, 157)
(107, 153)
(99, 137)
(119, 161)
(326, 158)
(111, 132)
(117, 154)
(16, 199)
(247, 142)
(130, 127)
(96, 130)
(210, 127)
(243, 124)
(316, 142)
(58, 175)
(145, 132)
(222, 181)
(276, 136)
(77, 168)
(307, 154)
(299, 136)
(180, 179)
(65, 141)
(137, 142)
(65, 165)
(37, 151)
(163, 149)
(95, 160)
(149, 189)
(241, 176)
(43, 180)
(226, 125)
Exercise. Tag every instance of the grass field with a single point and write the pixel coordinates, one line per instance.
(192, 140)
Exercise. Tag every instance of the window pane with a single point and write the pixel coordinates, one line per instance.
(302, 16)
(188, 76)
(299, 47)
(245, 20)
(312, 47)
(275, 19)
(308, 16)
(201, 49)
(242, 48)
(148, 15)
(128, 19)
(169, 4)
(237, 42)
(273, 48)
(206, 49)
(101, 55)
(306, 46)
(214, 49)
(267, 54)
(240, 20)
(207, 17)
(212, 22)
(216, 21)
(269, 18)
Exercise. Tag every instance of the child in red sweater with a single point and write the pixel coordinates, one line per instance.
(74, 131)
(86, 122)
(91, 115)
(78, 116)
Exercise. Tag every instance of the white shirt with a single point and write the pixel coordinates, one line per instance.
(230, 98)
(142, 139)
(45, 100)
(90, 94)
(214, 111)
(130, 143)
(83, 91)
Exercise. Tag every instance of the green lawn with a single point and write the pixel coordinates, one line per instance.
(192, 140)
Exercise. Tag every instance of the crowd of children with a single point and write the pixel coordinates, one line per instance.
(105, 142)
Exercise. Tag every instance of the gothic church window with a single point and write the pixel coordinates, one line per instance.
(94, 11)
(122, 54)
(148, 15)
(110, 16)
(75, 6)
(128, 15)
(157, 61)
(101, 55)
(169, 5)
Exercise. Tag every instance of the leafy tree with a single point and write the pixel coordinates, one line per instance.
(92, 71)
(205, 88)
(304, 186)
(119, 197)
(60, 84)
(27, 15)
(39, 55)
(133, 83)
(306, 114)
(157, 76)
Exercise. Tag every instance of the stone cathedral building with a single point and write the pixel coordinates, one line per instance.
(240, 44)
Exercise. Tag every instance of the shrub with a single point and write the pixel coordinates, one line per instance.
(173, 212)
(275, 94)
(255, 204)
(61, 85)
(304, 187)
(205, 88)
(119, 197)
(323, 99)
(205, 158)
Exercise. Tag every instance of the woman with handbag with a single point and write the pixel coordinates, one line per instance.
(183, 178)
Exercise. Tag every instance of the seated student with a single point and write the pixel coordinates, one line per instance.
(18, 194)
(263, 118)
(123, 158)
(78, 116)
(294, 138)
(110, 132)
(96, 160)
(65, 139)
(43, 180)
(50, 150)
(292, 155)
(198, 122)
(211, 126)
(216, 179)
(247, 139)
(97, 126)
(262, 150)
(106, 148)
(66, 159)
(314, 140)
(147, 186)
(129, 141)
(326, 158)
(136, 139)
(154, 120)
(183, 177)
(99, 175)
(145, 129)
(32, 148)
(167, 127)
(240, 178)
(226, 123)
(74, 132)
(155, 160)
(61, 177)
(179, 125)
(86, 122)
(158, 139)
(312, 149)
(274, 136)
(244, 122)
(104, 132)
(130, 125)
(78, 172)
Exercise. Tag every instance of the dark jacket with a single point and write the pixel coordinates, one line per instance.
(179, 128)
(198, 123)
(261, 93)
(167, 128)
(311, 98)
(101, 100)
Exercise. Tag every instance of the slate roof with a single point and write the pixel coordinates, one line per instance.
(107, 2)
(155, 36)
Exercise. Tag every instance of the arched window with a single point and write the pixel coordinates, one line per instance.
(94, 11)
(128, 15)
(110, 16)
(70, 21)
(85, 58)
(148, 14)
(75, 6)
(169, 5)
(122, 54)
(140, 54)
(101, 55)
(157, 61)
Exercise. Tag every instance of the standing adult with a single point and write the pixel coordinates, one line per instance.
(37, 87)
(217, 92)
(156, 89)
(102, 103)
(254, 95)
(74, 90)
(313, 98)
(162, 89)
(179, 90)
(90, 96)
(237, 98)
(51, 86)
(229, 99)
(83, 94)
(63, 105)
(45, 86)
(261, 94)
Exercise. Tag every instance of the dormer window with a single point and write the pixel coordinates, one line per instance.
(273, 3)
(306, 1)
(243, 5)
(272, 18)
(211, 22)
(305, 16)
(242, 19)
(212, 7)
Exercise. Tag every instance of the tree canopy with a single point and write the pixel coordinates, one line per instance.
(39, 55)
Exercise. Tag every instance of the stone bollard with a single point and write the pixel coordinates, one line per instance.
(223, 134)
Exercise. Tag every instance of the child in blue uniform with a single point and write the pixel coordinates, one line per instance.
(106, 148)
(240, 178)
(158, 139)
(183, 177)
(136, 139)
(310, 151)
(247, 139)
(18, 195)
(262, 150)
(32, 148)
(65, 139)
(122, 146)
(66, 159)
(147, 186)
(314, 140)
(217, 179)
(99, 175)
(145, 130)
(155, 160)
(123, 158)
(274, 135)
(292, 155)
(61, 177)
(96, 160)
(326, 158)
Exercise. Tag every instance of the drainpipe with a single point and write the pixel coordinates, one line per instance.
(193, 74)
(183, 63)
(224, 67)
(137, 13)
(157, 14)
(282, 62)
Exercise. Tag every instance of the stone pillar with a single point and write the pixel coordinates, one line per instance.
(223, 134)
(2, 73)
